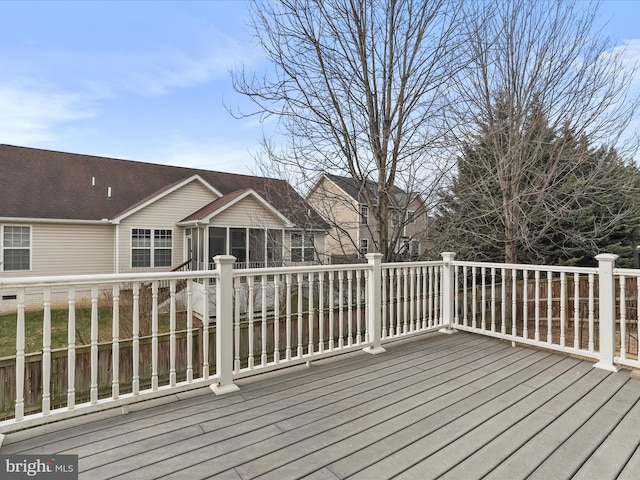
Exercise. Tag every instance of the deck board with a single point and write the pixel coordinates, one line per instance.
(449, 406)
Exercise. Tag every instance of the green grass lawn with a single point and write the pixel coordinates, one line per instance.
(59, 332)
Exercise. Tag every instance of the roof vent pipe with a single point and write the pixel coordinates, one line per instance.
(93, 181)
(109, 192)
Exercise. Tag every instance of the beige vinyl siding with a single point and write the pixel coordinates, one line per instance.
(248, 212)
(164, 214)
(68, 249)
(337, 208)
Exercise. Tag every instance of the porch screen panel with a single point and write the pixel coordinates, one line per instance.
(256, 245)
(274, 247)
(217, 242)
(239, 244)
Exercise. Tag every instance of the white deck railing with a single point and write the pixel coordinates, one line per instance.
(169, 332)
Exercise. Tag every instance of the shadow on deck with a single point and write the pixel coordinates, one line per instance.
(459, 406)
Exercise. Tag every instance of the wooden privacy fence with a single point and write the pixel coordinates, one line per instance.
(59, 379)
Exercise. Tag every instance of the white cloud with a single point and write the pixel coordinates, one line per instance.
(30, 113)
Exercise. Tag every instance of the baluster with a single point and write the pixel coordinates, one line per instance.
(431, 319)
(20, 343)
(385, 306)
(591, 311)
(623, 317)
(263, 325)
(425, 298)
(405, 301)
(46, 352)
(172, 333)
(549, 306)
(456, 295)
(514, 302)
(300, 351)
(276, 319)
(436, 297)
(392, 310)
(563, 307)
(465, 297)
(331, 313)
(340, 309)
(503, 301)
(115, 343)
(412, 297)
(321, 312)
(135, 387)
(189, 332)
(525, 304)
(250, 359)
(493, 299)
(93, 390)
(205, 326)
(576, 310)
(359, 307)
(399, 302)
(537, 306)
(311, 282)
(369, 335)
(154, 336)
(483, 295)
(350, 307)
(71, 350)
(474, 298)
(288, 318)
(237, 361)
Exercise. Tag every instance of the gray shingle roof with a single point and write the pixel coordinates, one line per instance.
(46, 184)
(398, 199)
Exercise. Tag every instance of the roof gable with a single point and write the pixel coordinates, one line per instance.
(215, 208)
(163, 192)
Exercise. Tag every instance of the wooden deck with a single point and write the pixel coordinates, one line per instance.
(458, 406)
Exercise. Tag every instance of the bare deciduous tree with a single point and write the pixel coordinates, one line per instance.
(541, 87)
(357, 88)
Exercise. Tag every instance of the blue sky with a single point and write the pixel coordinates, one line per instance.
(148, 80)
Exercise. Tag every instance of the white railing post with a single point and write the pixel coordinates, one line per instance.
(224, 325)
(607, 317)
(374, 304)
(448, 289)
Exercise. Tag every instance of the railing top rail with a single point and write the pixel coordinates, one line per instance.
(529, 267)
(243, 272)
(66, 280)
(627, 272)
(413, 264)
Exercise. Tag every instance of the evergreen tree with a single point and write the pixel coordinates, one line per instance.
(560, 217)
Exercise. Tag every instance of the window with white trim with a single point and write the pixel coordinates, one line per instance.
(16, 248)
(302, 247)
(411, 216)
(364, 246)
(151, 247)
(364, 215)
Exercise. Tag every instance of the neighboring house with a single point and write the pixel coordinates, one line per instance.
(341, 202)
(67, 214)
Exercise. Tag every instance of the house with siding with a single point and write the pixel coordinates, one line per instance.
(70, 214)
(341, 201)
